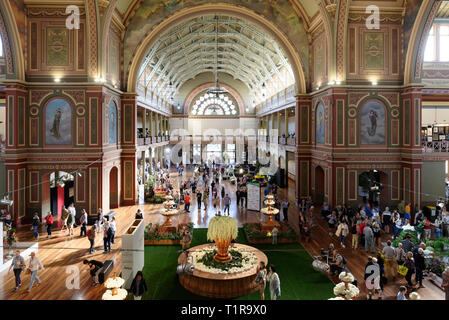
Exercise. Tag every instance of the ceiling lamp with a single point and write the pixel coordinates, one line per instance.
(217, 90)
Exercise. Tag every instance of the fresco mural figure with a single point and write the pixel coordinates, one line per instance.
(320, 128)
(373, 123)
(373, 120)
(112, 123)
(56, 123)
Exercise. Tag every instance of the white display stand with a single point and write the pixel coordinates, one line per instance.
(133, 251)
(253, 197)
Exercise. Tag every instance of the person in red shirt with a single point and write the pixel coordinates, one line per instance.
(49, 223)
(427, 228)
(187, 202)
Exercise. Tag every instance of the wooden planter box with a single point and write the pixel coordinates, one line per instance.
(162, 242)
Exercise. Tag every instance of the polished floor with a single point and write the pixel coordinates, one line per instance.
(62, 253)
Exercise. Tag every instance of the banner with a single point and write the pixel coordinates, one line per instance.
(253, 196)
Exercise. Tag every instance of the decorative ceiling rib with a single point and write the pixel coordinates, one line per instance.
(190, 48)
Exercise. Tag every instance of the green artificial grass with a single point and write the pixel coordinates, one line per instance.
(293, 263)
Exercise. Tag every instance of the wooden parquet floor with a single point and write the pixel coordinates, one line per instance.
(62, 252)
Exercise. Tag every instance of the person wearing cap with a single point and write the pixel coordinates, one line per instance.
(445, 284)
(34, 265)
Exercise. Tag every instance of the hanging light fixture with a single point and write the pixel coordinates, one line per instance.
(217, 89)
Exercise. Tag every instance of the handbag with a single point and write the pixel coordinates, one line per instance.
(402, 270)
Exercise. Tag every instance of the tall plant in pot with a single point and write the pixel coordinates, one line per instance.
(222, 230)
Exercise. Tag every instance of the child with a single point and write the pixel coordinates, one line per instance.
(401, 293)
(274, 233)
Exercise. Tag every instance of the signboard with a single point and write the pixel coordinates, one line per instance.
(253, 196)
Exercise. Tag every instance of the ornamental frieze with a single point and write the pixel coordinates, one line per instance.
(373, 166)
(77, 95)
(392, 98)
(354, 98)
(36, 96)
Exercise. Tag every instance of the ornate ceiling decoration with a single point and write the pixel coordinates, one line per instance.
(189, 49)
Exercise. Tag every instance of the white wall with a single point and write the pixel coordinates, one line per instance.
(431, 115)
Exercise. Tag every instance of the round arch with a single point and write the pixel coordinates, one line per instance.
(415, 51)
(385, 107)
(239, 11)
(46, 104)
(206, 86)
(11, 42)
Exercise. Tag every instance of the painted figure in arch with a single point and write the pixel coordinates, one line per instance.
(373, 120)
(56, 124)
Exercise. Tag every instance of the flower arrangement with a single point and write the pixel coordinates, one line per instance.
(154, 232)
(242, 260)
(345, 290)
(254, 231)
(222, 228)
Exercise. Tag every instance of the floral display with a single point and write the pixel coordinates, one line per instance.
(345, 290)
(255, 231)
(221, 228)
(121, 295)
(114, 282)
(242, 260)
(154, 232)
(351, 292)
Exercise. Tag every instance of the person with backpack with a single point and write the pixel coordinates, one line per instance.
(91, 235)
(83, 222)
(49, 223)
(342, 232)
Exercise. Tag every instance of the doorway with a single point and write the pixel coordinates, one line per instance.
(319, 185)
(58, 191)
(113, 188)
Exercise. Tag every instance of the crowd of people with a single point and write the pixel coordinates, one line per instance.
(366, 224)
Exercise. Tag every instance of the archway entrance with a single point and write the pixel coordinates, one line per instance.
(113, 188)
(373, 187)
(319, 185)
(58, 191)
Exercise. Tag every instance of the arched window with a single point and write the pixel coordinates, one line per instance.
(214, 105)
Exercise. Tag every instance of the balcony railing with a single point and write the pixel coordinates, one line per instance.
(435, 146)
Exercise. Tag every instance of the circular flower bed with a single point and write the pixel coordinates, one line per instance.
(242, 260)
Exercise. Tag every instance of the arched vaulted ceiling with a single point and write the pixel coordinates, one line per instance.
(230, 44)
